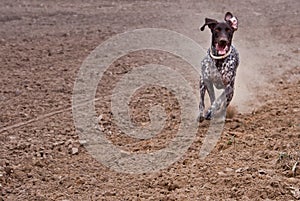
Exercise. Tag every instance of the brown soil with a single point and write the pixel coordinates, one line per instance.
(42, 46)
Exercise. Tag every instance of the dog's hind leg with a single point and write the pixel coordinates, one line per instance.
(201, 104)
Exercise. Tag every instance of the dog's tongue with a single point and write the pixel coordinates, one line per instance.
(221, 49)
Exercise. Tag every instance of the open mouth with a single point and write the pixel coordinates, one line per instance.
(221, 49)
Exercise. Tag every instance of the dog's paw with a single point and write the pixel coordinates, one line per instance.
(200, 118)
(208, 115)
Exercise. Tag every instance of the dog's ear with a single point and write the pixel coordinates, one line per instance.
(231, 20)
(228, 16)
(211, 23)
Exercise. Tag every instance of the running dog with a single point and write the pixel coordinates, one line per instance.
(219, 66)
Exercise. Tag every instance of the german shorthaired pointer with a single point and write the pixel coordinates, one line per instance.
(219, 66)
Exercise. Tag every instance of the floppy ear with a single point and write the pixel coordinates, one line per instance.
(211, 23)
(228, 16)
(231, 20)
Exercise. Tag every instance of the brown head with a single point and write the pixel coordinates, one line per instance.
(222, 32)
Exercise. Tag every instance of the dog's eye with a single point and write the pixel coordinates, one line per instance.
(218, 29)
(227, 30)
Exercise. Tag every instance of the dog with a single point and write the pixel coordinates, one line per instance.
(219, 66)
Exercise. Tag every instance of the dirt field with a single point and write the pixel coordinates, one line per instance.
(42, 46)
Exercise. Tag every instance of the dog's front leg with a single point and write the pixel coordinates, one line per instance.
(211, 91)
(221, 102)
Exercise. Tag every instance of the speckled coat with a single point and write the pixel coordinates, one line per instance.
(221, 74)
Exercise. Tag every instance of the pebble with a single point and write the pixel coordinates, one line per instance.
(82, 142)
(262, 171)
(296, 193)
(172, 187)
(58, 143)
(69, 142)
(74, 150)
(221, 174)
(228, 169)
(109, 194)
(293, 180)
(234, 189)
(240, 170)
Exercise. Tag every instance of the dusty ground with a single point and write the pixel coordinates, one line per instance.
(42, 45)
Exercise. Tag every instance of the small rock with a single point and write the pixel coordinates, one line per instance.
(228, 169)
(221, 174)
(292, 180)
(109, 193)
(234, 189)
(68, 142)
(172, 187)
(296, 51)
(39, 164)
(240, 170)
(262, 171)
(296, 193)
(58, 143)
(65, 34)
(74, 150)
(82, 142)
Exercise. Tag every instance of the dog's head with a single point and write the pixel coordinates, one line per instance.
(222, 32)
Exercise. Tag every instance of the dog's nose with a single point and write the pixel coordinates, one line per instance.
(223, 41)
